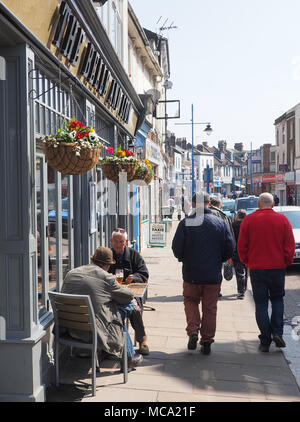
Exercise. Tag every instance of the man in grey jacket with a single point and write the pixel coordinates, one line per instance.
(110, 301)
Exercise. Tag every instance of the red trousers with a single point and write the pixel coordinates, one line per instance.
(207, 294)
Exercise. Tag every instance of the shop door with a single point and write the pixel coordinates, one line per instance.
(55, 230)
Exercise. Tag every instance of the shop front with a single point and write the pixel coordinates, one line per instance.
(291, 190)
(151, 195)
(58, 66)
(297, 177)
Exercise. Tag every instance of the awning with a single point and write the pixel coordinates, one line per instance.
(141, 135)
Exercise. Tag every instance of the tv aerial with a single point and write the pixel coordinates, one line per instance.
(164, 26)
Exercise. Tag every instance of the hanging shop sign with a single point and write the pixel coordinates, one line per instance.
(57, 27)
(152, 151)
(69, 38)
(157, 234)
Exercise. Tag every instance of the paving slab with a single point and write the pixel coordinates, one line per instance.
(235, 371)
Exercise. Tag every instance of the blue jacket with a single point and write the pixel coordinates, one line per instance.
(202, 248)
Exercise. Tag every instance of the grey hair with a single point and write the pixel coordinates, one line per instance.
(266, 200)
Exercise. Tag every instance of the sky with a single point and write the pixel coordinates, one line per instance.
(236, 61)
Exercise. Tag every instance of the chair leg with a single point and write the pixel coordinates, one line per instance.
(56, 362)
(97, 363)
(94, 359)
(125, 361)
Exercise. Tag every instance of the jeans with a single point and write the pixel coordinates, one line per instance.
(125, 311)
(241, 273)
(207, 294)
(268, 284)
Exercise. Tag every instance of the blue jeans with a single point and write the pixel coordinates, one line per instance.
(268, 284)
(125, 311)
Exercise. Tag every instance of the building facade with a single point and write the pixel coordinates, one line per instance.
(60, 63)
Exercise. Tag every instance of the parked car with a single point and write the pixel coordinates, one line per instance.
(228, 207)
(292, 213)
(248, 203)
(64, 216)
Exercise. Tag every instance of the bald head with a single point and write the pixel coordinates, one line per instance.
(265, 200)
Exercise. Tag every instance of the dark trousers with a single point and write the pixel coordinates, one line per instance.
(241, 273)
(136, 320)
(268, 285)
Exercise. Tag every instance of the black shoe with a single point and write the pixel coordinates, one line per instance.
(220, 294)
(263, 348)
(135, 360)
(132, 362)
(192, 344)
(205, 348)
(279, 342)
(240, 296)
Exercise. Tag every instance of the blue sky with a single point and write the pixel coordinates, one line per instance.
(237, 61)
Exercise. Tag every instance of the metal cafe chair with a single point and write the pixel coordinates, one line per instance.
(76, 312)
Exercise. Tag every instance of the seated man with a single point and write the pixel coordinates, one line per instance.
(110, 301)
(135, 271)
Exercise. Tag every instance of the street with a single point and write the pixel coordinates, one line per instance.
(292, 295)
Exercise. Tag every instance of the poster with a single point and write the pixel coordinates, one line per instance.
(157, 234)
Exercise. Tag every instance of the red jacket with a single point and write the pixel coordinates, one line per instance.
(266, 240)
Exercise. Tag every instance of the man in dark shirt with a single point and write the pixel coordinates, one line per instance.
(134, 271)
(202, 242)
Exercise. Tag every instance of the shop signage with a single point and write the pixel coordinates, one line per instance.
(256, 159)
(283, 167)
(68, 38)
(152, 152)
(269, 179)
(218, 182)
(157, 234)
(280, 179)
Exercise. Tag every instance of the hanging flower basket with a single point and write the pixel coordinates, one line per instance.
(111, 170)
(63, 158)
(74, 149)
(118, 161)
(144, 171)
(148, 178)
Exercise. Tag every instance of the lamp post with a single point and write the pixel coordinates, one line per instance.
(251, 171)
(208, 131)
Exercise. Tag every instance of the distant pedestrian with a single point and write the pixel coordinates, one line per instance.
(215, 205)
(266, 246)
(290, 200)
(202, 242)
(276, 200)
(241, 271)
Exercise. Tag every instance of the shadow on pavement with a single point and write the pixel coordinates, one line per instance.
(66, 393)
(178, 298)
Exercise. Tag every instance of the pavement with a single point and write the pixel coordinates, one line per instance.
(235, 371)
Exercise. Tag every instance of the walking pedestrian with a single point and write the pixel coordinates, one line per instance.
(241, 271)
(266, 246)
(202, 242)
(215, 205)
(276, 200)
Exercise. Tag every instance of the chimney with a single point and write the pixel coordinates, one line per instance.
(205, 144)
(172, 140)
(183, 143)
(222, 146)
(239, 146)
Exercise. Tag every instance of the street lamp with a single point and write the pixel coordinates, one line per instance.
(208, 130)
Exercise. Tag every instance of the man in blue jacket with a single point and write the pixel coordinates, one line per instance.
(202, 242)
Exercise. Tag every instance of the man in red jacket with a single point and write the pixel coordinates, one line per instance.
(266, 246)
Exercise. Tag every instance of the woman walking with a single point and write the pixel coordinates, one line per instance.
(241, 270)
